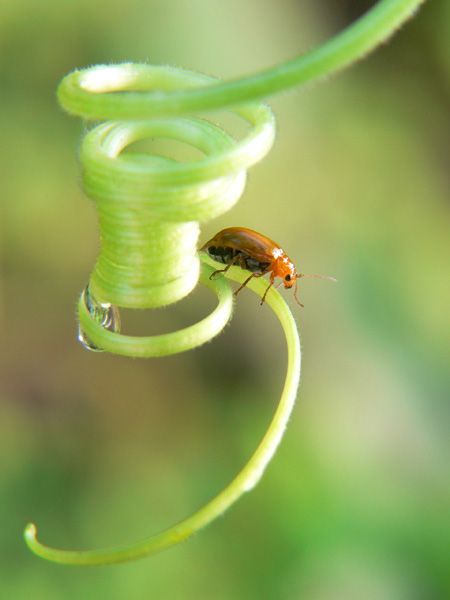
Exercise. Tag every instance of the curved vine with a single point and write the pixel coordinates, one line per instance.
(247, 478)
(81, 92)
(150, 207)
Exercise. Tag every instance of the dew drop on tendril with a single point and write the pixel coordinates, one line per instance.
(105, 314)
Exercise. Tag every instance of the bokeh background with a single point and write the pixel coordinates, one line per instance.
(99, 450)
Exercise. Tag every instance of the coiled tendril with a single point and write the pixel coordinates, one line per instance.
(149, 206)
(149, 209)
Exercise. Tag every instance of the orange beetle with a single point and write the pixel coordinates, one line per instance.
(256, 253)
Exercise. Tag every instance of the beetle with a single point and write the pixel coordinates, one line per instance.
(257, 253)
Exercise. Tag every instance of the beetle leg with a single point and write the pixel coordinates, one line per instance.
(247, 280)
(272, 280)
(243, 262)
(230, 264)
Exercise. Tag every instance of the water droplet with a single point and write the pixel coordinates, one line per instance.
(106, 315)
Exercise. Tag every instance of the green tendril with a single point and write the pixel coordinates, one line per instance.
(81, 92)
(168, 343)
(243, 482)
(150, 208)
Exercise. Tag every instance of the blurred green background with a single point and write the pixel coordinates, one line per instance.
(99, 450)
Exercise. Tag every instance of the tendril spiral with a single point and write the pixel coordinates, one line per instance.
(150, 206)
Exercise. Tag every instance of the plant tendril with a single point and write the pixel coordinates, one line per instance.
(80, 92)
(150, 208)
(243, 482)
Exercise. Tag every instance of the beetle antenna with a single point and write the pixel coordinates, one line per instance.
(298, 275)
(295, 293)
(315, 276)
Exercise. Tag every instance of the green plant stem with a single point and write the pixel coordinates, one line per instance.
(149, 206)
(137, 92)
(243, 482)
(167, 343)
(80, 92)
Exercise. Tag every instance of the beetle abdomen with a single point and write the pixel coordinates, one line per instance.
(225, 254)
(255, 266)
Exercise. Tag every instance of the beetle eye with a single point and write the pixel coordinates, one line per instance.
(287, 278)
